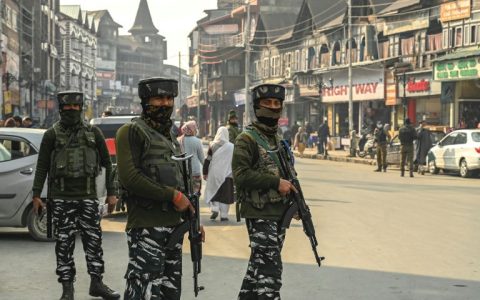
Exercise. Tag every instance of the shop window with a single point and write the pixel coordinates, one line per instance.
(407, 46)
(363, 55)
(473, 34)
(275, 65)
(434, 42)
(296, 60)
(311, 58)
(336, 54)
(324, 56)
(265, 68)
(458, 36)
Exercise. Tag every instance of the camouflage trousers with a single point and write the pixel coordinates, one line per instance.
(264, 272)
(69, 217)
(154, 272)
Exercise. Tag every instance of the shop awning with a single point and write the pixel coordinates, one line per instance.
(458, 55)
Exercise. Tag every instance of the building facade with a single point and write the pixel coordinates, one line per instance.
(78, 57)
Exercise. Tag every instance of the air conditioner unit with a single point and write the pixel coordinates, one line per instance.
(288, 72)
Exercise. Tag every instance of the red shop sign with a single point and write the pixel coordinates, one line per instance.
(418, 86)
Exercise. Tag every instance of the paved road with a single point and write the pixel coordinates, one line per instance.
(384, 237)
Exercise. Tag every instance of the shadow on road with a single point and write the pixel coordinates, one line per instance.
(32, 264)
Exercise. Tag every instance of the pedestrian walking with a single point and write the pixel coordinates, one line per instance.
(407, 134)
(382, 137)
(232, 126)
(153, 184)
(217, 171)
(424, 144)
(71, 154)
(323, 135)
(262, 194)
(300, 141)
(192, 145)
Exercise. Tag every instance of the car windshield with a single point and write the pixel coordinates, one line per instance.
(476, 136)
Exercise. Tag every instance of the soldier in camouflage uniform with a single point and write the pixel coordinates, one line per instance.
(153, 185)
(71, 154)
(232, 126)
(262, 194)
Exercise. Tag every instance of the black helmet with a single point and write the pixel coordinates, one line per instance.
(70, 97)
(157, 86)
(268, 91)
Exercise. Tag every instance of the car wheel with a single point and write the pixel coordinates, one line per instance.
(432, 168)
(37, 226)
(464, 171)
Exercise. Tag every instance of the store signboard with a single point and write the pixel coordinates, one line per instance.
(419, 85)
(403, 23)
(456, 10)
(367, 84)
(458, 69)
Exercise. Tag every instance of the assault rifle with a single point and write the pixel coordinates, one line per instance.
(298, 206)
(191, 223)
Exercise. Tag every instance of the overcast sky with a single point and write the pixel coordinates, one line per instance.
(173, 18)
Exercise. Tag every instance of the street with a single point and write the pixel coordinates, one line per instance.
(383, 236)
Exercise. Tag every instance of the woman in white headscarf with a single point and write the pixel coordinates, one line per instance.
(217, 171)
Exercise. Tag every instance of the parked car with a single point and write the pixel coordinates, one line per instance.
(458, 151)
(18, 159)
(393, 149)
(19, 149)
(109, 127)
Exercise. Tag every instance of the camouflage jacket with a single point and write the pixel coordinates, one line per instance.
(256, 175)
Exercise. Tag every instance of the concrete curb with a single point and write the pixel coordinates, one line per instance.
(338, 158)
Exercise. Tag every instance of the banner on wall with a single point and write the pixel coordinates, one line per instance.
(367, 84)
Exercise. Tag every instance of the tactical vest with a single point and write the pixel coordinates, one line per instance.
(157, 162)
(265, 164)
(75, 156)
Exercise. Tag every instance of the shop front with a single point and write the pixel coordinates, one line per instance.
(368, 99)
(459, 75)
(422, 96)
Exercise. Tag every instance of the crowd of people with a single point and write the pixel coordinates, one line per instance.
(17, 121)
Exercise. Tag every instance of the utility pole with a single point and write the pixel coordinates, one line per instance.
(247, 117)
(350, 89)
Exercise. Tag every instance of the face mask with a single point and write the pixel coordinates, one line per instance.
(70, 117)
(268, 116)
(160, 114)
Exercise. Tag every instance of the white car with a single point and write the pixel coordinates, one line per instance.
(18, 161)
(458, 151)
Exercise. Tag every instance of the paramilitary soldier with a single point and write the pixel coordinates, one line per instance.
(262, 194)
(153, 184)
(71, 154)
(232, 126)
(407, 134)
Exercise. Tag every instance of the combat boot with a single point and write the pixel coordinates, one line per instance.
(100, 289)
(402, 172)
(411, 173)
(68, 290)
